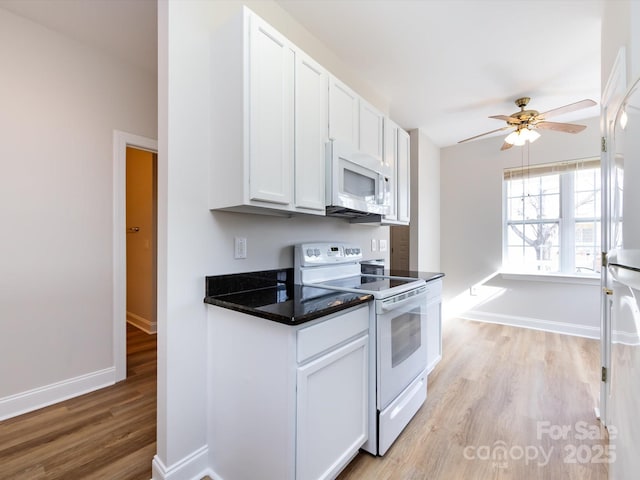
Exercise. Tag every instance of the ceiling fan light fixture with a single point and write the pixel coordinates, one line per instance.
(521, 136)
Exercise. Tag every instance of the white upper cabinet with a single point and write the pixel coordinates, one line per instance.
(344, 111)
(353, 120)
(391, 163)
(371, 130)
(403, 177)
(310, 133)
(271, 63)
(396, 158)
(269, 122)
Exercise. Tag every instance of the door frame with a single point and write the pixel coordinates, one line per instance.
(612, 96)
(122, 140)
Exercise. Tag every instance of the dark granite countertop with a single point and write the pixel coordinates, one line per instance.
(272, 295)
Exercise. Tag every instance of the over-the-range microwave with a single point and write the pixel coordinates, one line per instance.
(358, 185)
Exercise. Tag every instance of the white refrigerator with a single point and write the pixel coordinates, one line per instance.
(622, 287)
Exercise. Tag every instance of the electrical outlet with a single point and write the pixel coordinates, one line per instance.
(240, 250)
(374, 245)
(473, 290)
(383, 245)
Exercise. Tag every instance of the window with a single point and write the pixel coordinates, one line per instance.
(552, 218)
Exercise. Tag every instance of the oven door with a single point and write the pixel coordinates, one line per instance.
(401, 342)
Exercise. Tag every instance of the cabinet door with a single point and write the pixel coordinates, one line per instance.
(311, 110)
(434, 335)
(332, 410)
(391, 164)
(403, 183)
(343, 112)
(371, 130)
(270, 105)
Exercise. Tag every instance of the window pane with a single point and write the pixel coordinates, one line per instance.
(515, 209)
(585, 205)
(550, 183)
(587, 249)
(514, 188)
(551, 206)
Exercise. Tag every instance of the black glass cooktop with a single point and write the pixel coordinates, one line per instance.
(369, 283)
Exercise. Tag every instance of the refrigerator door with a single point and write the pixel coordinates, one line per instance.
(624, 400)
(623, 272)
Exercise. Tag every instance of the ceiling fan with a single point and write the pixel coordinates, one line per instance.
(525, 122)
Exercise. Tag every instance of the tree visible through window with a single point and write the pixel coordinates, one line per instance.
(552, 218)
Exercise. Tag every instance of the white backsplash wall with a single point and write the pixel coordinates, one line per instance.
(269, 239)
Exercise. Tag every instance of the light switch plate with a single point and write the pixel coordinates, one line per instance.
(240, 247)
(383, 245)
(374, 245)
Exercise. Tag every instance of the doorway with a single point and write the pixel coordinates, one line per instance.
(141, 219)
(122, 142)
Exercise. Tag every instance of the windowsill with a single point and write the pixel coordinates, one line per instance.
(552, 278)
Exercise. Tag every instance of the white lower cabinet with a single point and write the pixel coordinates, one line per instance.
(287, 402)
(331, 413)
(434, 323)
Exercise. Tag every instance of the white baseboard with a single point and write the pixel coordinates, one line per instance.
(194, 466)
(36, 398)
(534, 323)
(142, 323)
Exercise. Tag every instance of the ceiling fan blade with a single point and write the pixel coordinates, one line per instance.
(506, 118)
(561, 127)
(506, 146)
(486, 133)
(572, 107)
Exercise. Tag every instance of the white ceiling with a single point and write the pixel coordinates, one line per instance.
(443, 65)
(446, 65)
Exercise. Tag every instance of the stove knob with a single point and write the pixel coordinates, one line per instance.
(317, 252)
(357, 251)
(347, 251)
(309, 252)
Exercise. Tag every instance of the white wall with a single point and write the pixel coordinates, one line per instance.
(61, 102)
(471, 220)
(425, 204)
(621, 27)
(194, 242)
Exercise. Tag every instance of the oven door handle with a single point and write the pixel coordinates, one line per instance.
(398, 301)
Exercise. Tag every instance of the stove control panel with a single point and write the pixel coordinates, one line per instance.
(307, 254)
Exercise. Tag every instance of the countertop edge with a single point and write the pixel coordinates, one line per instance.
(256, 312)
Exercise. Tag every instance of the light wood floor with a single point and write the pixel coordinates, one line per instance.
(493, 386)
(109, 434)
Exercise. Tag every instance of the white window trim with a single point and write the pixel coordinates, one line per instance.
(567, 236)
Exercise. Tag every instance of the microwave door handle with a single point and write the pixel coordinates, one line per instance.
(380, 196)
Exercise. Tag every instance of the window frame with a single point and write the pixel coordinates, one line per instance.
(567, 219)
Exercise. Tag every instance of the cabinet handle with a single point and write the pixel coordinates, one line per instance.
(133, 229)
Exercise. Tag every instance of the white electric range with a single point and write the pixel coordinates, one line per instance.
(398, 378)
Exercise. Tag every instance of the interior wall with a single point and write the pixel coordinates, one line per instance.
(61, 101)
(425, 203)
(621, 27)
(141, 249)
(471, 213)
(195, 242)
